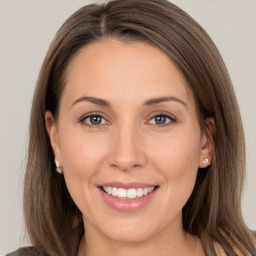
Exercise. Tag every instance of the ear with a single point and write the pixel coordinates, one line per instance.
(207, 143)
(52, 131)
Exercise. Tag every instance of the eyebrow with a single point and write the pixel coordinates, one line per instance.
(93, 100)
(149, 102)
(164, 99)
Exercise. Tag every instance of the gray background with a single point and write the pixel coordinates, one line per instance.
(26, 30)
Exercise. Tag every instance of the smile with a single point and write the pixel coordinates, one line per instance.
(127, 197)
(130, 193)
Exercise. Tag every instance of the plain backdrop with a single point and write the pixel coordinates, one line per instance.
(26, 30)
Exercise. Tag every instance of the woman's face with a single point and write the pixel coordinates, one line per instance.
(128, 125)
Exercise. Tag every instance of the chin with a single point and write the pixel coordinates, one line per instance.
(130, 233)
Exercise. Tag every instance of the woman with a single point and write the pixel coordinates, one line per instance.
(136, 142)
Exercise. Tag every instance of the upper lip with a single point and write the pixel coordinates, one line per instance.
(119, 184)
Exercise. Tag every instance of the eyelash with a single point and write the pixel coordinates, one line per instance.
(163, 114)
(160, 114)
(82, 120)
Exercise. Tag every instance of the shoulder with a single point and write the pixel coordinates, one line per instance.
(21, 252)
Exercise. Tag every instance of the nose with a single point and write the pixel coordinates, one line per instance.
(127, 152)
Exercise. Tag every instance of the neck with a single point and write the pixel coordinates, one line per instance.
(178, 243)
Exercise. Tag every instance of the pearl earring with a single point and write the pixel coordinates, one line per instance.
(205, 161)
(59, 169)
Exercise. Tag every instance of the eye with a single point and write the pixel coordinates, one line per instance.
(161, 120)
(93, 120)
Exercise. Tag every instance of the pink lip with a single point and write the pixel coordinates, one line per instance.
(119, 184)
(127, 205)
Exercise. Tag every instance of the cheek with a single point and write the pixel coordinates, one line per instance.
(176, 158)
(81, 154)
(177, 152)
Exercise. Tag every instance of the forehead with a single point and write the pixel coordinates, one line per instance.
(118, 70)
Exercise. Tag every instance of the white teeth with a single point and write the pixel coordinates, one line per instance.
(121, 192)
(109, 190)
(114, 192)
(130, 193)
(150, 189)
(139, 192)
(145, 191)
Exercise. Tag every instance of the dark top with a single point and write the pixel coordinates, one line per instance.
(25, 251)
(20, 252)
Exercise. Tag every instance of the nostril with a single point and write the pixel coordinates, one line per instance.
(125, 165)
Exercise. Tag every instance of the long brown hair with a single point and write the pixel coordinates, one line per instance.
(213, 212)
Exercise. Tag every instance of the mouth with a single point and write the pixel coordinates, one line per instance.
(127, 197)
(130, 193)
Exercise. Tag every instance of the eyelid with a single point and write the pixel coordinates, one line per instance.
(152, 115)
(162, 113)
(85, 116)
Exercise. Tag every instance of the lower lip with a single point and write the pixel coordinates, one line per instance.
(127, 205)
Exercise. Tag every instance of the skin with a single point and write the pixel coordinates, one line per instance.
(129, 146)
